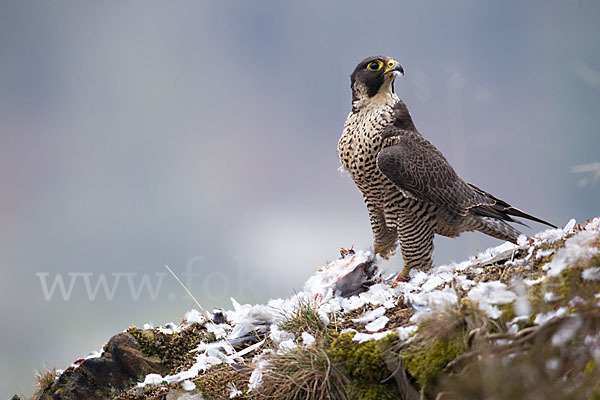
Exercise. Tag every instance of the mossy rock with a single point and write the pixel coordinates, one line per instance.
(426, 361)
(173, 349)
(364, 363)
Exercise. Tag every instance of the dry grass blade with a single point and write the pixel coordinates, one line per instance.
(306, 374)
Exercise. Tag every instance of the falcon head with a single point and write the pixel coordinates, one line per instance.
(374, 75)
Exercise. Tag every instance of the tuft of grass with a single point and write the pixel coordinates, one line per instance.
(305, 318)
(44, 380)
(305, 373)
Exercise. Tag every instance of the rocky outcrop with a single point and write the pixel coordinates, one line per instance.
(121, 365)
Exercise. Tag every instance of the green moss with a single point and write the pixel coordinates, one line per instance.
(567, 286)
(426, 361)
(173, 350)
(213, 383)
(364, 363)
(360, 389)
(146, 340)
(508, 313)
(590, 367)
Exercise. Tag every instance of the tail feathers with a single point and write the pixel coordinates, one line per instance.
(502, 210)
(498, 229)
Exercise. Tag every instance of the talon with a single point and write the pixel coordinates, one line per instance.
(403, 276)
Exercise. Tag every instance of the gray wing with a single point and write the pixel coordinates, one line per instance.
(417, 167)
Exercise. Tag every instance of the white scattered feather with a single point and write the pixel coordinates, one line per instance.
(233, 391)
(522, 240)
(367, 337)
(151, 379)
(567, 330)
(279, 335)
(549, 297)
(220, 331)
(353, 303)
(248, 349)
(521, 306)
(593, 225)
(188, 385)
(323, 316)
(370, 316)
(464, 283)
(284, 339)
(432, 283)
(431, 302)
(553, 364)
(256, 378)
(380, 294)
(195, 316)
(576, 301)
(286, 346)
(518, 319)
(247, 318)
(378, 324)
(76, 364)
(569, 226)
(576, 248)
(542, 318)
(492, 252)
(591, 274)
(488, 294)
(462, 265)
(307, 339)
(543, 253)
(404, 332)
(531, 282)
(549, 236)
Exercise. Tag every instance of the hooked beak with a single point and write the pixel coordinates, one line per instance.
(393, 65)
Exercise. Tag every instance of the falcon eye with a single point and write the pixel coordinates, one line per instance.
(375, 65)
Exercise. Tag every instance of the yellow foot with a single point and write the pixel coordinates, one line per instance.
(382, 250)
(403, 276)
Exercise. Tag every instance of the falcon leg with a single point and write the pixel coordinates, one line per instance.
(416, 241)
(385, 236)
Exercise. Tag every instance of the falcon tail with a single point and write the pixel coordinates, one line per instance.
(504, 211)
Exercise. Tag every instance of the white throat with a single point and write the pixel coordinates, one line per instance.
(385, 95)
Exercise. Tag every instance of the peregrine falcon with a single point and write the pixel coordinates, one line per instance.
(410, 190)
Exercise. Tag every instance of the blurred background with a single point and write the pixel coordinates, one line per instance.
(203, 135)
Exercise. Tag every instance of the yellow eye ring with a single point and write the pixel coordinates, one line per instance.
(375, 65)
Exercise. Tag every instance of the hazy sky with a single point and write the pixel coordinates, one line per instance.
(203, 135)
